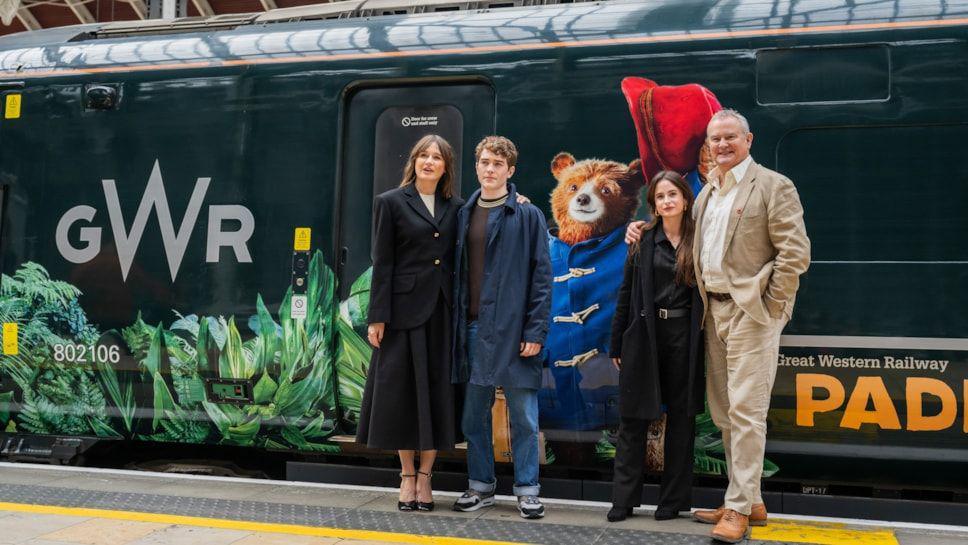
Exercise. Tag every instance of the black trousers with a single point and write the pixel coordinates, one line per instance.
(675, 491)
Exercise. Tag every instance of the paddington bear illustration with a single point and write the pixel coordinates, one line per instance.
(592, 204)
(670, 125)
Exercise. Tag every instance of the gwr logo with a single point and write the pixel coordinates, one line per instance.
(175, 242)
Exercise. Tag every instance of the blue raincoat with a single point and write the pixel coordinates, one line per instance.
(515, 296)
(580, 387)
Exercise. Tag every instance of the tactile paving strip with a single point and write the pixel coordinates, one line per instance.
(340, 517)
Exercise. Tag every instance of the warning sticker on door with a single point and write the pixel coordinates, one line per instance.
(419, 121)
(298, 306)
(302, 239)
(11, 346)
(11, 109)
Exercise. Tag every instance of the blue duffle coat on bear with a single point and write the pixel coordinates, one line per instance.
(587, 277)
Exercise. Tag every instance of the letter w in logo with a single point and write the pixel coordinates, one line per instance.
(154, 197)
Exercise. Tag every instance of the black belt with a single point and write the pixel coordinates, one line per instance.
(666, 313)
(719, 296)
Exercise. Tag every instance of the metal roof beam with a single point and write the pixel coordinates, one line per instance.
(27, 19)
(80, 11)
(204, 8)
(268, 4)
(140, 8)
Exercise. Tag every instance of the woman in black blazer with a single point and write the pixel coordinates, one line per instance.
(657, 345)
(408, 402)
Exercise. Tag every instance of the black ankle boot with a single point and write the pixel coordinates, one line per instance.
(618, 513)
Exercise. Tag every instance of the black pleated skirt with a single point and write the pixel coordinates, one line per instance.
(408, 402)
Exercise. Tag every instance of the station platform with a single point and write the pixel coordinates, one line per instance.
(51, 505)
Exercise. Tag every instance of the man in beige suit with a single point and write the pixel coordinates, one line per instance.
(750, 249)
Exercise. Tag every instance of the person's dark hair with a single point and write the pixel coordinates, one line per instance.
(685, 271)
(446, 184)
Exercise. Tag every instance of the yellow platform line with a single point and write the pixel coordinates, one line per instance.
(226, 524)
(822, 534)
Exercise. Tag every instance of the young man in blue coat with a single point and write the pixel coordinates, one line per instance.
(503, 286)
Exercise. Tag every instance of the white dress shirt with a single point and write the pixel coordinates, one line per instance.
(714, 222)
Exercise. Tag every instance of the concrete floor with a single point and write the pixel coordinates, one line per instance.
(27, 520)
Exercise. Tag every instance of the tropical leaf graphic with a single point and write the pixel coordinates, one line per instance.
(120, 393)
(294, 366)
(32, 283)
(356, 306)
(53, 399)
(709, 458)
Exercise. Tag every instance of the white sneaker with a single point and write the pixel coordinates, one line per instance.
(472, 500)
(530, 507)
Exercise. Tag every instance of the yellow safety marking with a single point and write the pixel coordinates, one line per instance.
(11, 347)
(226, 524)
(11, 109)
(822, 534)
(303, 236)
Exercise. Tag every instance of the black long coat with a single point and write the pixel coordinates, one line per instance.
(633, 339)
(413, 257)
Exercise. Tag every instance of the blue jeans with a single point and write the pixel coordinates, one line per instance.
(476, 422)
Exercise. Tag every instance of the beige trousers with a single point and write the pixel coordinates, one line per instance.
(741, 361)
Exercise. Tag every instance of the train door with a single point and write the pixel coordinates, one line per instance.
(380, 126)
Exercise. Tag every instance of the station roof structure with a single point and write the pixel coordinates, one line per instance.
(43, 14)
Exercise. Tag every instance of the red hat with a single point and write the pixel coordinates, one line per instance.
(670, 122)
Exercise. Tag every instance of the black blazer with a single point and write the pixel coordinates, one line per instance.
(633, 339)
(413, 257)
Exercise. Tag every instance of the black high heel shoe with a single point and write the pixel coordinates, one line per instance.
(412, 504)
(425, 506)
(618, 513)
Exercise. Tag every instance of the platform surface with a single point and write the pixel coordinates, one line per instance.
(42, 505)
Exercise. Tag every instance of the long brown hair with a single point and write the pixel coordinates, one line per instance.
(446, 184)
(685, 271)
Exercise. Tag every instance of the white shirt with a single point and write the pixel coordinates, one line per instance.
(429, 201)
(714, 222)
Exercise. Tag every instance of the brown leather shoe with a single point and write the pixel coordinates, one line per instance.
(732, 528)
(758, 515)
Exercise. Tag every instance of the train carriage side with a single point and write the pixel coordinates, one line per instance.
(869, 126)
(149, 259)
(163, 230)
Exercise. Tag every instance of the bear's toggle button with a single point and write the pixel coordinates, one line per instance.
(576, 317)
(436, 262)
(578, 360)
(436, 235)
(574, 272)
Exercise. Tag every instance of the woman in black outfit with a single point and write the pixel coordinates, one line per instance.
(408, 402)
(657, 346)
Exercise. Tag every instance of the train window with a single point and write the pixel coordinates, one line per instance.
(399, 127)
(876, 194)
(823, 74)
(381, 125)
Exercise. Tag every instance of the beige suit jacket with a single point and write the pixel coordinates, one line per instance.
(766, 246)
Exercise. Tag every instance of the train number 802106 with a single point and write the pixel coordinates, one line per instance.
(79, 353)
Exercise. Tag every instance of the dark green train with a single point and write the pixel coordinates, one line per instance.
(153, 178)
